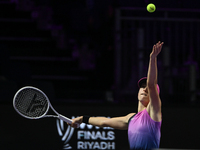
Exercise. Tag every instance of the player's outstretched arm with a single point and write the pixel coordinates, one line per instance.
(155, 102)
(120, 123)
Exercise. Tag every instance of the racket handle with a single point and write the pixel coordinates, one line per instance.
(65, 119)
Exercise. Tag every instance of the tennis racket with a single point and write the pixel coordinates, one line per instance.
(32, 103)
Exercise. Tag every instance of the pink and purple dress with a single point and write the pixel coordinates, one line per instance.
(143, 132)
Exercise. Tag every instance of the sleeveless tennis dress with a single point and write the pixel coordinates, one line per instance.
(143, 132)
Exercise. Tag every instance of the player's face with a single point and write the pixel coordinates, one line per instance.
(143, 93)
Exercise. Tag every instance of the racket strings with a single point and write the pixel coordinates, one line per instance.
(31, 103)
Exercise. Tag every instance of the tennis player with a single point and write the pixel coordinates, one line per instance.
(144, 126)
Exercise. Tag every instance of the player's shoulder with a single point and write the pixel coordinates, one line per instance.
(129, 116)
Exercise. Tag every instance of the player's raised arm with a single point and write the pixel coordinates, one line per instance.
(155, 102)
(120, 123)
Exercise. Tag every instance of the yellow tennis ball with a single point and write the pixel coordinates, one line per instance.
(151, 7)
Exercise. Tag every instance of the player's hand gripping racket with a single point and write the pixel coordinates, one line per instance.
(32, 103)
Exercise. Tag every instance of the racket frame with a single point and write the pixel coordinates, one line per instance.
(59, 116)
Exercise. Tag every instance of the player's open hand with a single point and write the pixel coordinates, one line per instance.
(156, 49)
